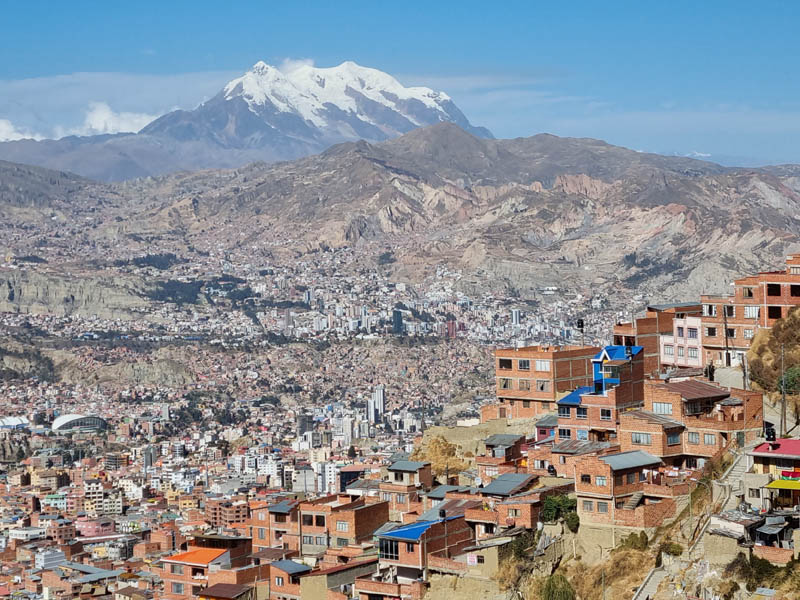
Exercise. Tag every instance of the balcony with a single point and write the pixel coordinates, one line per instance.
(410, 591)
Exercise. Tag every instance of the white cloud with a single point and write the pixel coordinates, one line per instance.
(292, 64)
(100, 118)
(9, 133)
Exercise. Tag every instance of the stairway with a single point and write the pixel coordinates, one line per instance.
(633, 501)
(649, 589)
(734, 479)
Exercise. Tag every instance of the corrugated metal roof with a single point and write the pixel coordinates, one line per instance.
(284, 507)
(579, 447)
(663, 420)
(630, 460)
(502, 439)
(290, 567)
(507, 483)
(697, 390)
(414, 531)
(453, 507)
(407, 466)
(574, 397)
(550, 420)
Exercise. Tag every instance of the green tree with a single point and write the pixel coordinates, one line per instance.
(351, 452)
(557, 587)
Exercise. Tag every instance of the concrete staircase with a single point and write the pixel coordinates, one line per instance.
(734, 479)
(633, 501)
(649, 588)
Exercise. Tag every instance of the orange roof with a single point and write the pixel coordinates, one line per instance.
(201, 556)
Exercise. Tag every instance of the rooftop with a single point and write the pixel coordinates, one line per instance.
(782, 448)
(201, 556)
(630, 460)
(407, 466)
(697, 390)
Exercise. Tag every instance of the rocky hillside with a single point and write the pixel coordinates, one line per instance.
(519, 214)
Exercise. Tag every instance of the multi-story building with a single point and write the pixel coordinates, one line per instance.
(731, 322)
(338, 521)
(503, 455)
(530, 379)
(407, 480)
(225, 512)
(646, 331)
(683, 348)
(686, 423)
(592, 412)
(772, 479)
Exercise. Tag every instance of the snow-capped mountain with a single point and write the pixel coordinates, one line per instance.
(306, 109)
(267, 114)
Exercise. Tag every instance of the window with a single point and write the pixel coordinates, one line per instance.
(774, 312)
(631, 478)
(308, 539)
(669, 350)
(748, 334)
(564, 434)
(673, 438)
(711, 332)
(709, 310)
(692, 333)
(600, 480)
(751, 312)
(755, 492)
(280, 518)
(410, 547)
(504, 363)
(773, 289)
(747, 292)
(680, 332)
(730, 311)
(662, 408)
(262, 533)
(562, 460)
(308, 520)
(401, 498)
(513, 512)
(605, 414)
(691, 463)
(794, 290)
(709, 439)
(342, 526)
(542, 385)
(176, 569)
(386, 496)
(582, 434)
(618, 480)
(693, 437)
(640, 439)
(177, 588)
(602, 507)
(341, 542)
(480, 559)
(582, 412)
(588, 506)
(680, 350)
(526, 403)
(542, 365)
(523, 364)
(321, 541)
(692, 352)
(525, 384)
(504, 383)
(319, 520)
(387, 549)
(564, 412)
(730, 333)
(586, 478)
(278, 581)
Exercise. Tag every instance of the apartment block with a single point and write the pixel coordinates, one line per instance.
(338, 521)
(592, 412)
(683, 347)
(530, 379)
(730, 322)
(646, 331)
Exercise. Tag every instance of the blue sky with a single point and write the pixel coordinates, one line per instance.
(716, 78)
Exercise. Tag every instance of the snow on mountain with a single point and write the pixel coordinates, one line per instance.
(306, 90)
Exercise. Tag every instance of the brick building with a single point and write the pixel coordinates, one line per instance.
(339, 521)
(646, 331)
(225, 512)
(625, 489)
(503, 455)
(730, 322)
(688, 422)
(592, 412)
(683, 347)
(403, 488)
(529, 380)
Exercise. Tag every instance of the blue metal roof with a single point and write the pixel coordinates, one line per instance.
(618, 352)
(283, 507)
(290, 567)
(574, 397)
(413, 531)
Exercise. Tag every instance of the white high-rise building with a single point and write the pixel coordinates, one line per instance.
(376, 405)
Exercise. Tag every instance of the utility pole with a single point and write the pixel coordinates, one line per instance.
(783, 394)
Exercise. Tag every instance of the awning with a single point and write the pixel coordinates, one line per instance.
(783, 484)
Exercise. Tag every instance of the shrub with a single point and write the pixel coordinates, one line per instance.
(557, 587)
(573, 521)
